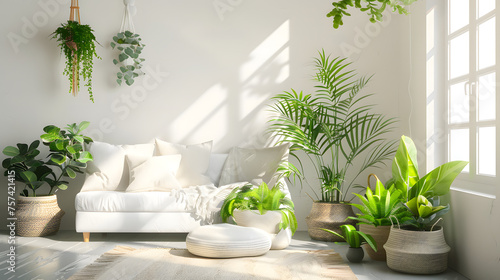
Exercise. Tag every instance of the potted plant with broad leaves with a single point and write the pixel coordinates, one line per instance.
(129, 61)
(77, 42)
(418, 245)
(376, 210)
(354, 239)
(263, 208)
(39, 214)
(333, 129)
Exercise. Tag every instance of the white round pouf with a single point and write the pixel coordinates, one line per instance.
(227, 241)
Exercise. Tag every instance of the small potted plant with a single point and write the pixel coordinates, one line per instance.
(39, 214)
(77, 42)
(419, 246)
(129, 60)
(264, 208)
(354, 239)
(376, 210)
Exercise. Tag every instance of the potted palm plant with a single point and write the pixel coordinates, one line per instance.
(333, 130)
(39, 214)
(354, 239)
(263, 208)
(377, 208)
(419, 246)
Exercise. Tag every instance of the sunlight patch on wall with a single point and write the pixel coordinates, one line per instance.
(205, 118)
(265, 51)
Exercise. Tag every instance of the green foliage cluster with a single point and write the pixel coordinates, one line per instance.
(374, 8)
(75, 38)
(67, 154)
(421, 195)
(130, 46)
(263, 199)
(333, 127)
(378, 208)
(353, 237)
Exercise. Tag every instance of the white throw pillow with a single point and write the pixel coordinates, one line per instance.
(194, 162)
(253, 165)
(215, 169)
(109, 163)
(153, 174)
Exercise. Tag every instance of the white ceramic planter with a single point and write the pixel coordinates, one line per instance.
(269, 222)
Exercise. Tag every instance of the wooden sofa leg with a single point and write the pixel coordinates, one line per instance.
(86, 236)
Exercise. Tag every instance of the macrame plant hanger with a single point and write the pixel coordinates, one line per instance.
(127, 18)
(74, 15)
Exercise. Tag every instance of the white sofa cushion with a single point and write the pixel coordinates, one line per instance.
(112, 201)
(227, 241)
(249, 165)
(215, 168)
(110, 165)
(149, 174)
(194, 163)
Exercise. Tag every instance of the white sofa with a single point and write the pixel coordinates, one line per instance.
(106, 204)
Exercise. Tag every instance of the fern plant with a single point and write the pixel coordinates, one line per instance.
(77, 42)
(263, 199)
(332, 127)
(374, 8)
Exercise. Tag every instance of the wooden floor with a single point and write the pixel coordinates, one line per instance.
(62, 255)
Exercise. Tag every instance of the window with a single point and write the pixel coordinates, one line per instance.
(464, 66)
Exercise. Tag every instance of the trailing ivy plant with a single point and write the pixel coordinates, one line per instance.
(374, 8)
(77, 42)
(130, 47)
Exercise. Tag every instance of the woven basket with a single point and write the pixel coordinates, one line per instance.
(38, 216)
(417, 252)
(380, 234)
(330, 216)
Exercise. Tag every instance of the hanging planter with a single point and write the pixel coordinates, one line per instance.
(77, 42)
(129, 44)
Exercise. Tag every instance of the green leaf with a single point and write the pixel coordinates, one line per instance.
(70, 173)
(122, 57)
(58, 158)
(63, 187)
(78, 138)
(11, 151)
(85, 157)
(115, 61)
(29, 176)
(112, 44)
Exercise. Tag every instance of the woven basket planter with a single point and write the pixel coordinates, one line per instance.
(417, 252)
(380, 234)
(38, 216)
(330, 216)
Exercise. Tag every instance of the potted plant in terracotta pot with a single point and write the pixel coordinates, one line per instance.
(263, 208)
(39, 214)
(333, 130)
(77, 42)
(419, 246)
(354, 239)
(376, 210)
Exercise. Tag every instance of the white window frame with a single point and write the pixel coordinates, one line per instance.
(438, 85)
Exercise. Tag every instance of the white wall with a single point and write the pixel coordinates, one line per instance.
(210, 74)
(472, 226)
